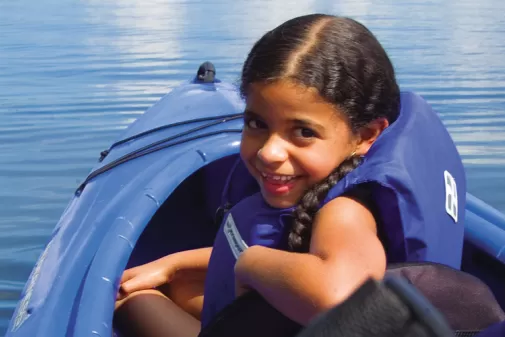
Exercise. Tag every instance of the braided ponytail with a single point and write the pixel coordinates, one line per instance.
(299, 237)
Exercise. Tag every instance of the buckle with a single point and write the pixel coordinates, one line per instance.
(220, 212)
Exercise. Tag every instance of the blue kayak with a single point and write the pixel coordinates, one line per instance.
(155, 192)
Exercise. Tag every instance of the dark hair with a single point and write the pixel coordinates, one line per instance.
(344, 61)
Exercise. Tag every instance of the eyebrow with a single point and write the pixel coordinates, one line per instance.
(248, 112)
(296, 121)
(308, 123)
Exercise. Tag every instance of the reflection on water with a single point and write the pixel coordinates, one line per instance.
(74, 74)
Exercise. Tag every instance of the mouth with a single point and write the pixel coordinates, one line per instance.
(278, 184)
(277, 178)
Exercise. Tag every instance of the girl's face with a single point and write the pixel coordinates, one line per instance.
(292, 139)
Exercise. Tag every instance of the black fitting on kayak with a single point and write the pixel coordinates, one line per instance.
(103, 154)
(206, 73)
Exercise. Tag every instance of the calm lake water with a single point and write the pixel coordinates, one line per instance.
(74, 74)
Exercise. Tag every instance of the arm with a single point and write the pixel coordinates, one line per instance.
(344, 252)
(163, 270)
(195, 259)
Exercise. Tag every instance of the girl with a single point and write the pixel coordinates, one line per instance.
(319, 91)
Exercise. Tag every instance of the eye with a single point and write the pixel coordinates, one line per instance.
(305, 133)
(254, 123)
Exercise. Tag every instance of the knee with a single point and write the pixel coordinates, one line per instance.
(145, 312)
(137, 298)
(187, 293)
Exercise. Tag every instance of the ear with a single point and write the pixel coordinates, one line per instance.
(368, 134)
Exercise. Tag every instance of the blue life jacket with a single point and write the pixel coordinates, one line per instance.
(250, 222)
(418, 187)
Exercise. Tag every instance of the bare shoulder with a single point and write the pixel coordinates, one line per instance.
(345, 232)
(346, 211)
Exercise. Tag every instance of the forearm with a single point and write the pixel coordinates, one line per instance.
(298, 285)
(195, 259)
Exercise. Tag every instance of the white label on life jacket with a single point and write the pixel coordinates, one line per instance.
(232, 234)
(451, 196)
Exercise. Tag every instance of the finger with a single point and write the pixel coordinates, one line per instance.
(129, 274)
(121, 294)
(141, 282)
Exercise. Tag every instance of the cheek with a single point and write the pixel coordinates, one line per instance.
(318, 167)
(248, 148)
(319, 164)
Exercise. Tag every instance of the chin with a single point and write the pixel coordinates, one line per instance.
(279, 202)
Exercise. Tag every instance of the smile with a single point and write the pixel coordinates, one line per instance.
(278, 178)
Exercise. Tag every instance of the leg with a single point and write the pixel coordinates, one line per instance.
(149, 313)
(172, 310)
(186, 290)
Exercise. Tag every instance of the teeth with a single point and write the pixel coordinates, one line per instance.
(277, 177)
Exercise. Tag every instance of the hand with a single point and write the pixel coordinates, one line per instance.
(147, 276)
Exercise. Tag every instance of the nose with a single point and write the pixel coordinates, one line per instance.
(273, 151)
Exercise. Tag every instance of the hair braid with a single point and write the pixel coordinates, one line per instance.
(299, 237)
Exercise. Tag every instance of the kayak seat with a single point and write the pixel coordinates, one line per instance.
(466, 301)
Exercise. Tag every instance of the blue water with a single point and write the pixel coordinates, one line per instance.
(74, 74)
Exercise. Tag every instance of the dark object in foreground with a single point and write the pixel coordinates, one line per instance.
(395, 308)
(392, 308)
(386, 309)
(413, 300)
